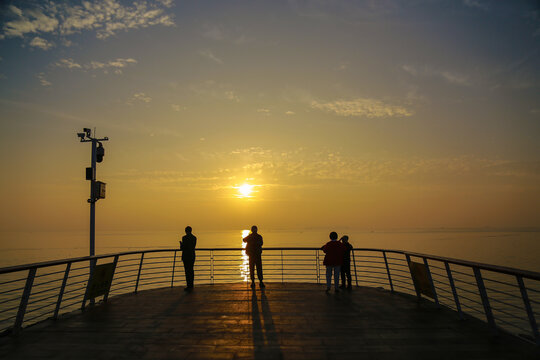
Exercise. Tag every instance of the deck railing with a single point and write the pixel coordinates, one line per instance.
(507, 299)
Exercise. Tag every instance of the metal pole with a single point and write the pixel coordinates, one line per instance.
(173, 266)
(212, 266)
(317, 265)
(484, 297)
(282, 266)
(418, 295)
(24, 300)
(432, 283)
(454, 291)
(61, 294)
(115, 263)
(139, 273)
(388, 272)
(354, 265)
(530, 312)
(92, 201)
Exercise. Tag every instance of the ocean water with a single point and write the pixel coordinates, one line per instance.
(518, 249)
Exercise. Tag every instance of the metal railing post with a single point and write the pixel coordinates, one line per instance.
(528, 308)
(173, 267)
(139, 273)
(91, 271)
(454, 291)
(115, 263)
(212, 266)
(418, 295)
(282, 266)
(24, 300)
(484, 297)
(354, 265)
(61, 293)
(317, 265)
(388, 272)
(435, 297)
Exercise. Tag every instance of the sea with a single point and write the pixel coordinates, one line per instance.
(517, 249)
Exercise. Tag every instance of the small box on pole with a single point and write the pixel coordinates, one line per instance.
(99, 190)
(89, 173)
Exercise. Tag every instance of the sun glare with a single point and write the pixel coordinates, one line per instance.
(245, 190)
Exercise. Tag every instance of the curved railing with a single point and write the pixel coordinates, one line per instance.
(507, 299)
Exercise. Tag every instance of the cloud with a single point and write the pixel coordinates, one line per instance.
(264, 111)
(448, 76)
(41, 43)
(139, 97)
(210, 55)
(104, 17)
(476, 4)
(220, 33)
(289, 112)
(117, 65)
(42, 80)
(370, 108)
(67, 63)
(213, 89)
(176, 107)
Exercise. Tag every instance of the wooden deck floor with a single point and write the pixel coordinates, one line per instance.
(285, 321)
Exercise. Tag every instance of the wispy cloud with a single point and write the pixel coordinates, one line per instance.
(41, 43)
(370, 108)
(42, 80)
(116, 65)
(449, 76)
(220, 33)
(215, 90)
(264, 111)
(208, 54)
(177, 107)
(289, 112)
(139, 97)
(105, 17)
(476, 4)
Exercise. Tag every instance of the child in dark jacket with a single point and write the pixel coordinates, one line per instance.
(333, 259)
(346, 266)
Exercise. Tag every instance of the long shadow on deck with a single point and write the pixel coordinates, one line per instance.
(289, 321)
(265, 338)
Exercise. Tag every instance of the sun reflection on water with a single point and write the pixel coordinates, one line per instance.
(244, 267)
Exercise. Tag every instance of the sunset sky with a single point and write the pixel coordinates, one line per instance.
(363, 114)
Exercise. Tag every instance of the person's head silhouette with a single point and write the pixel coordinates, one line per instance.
(254, 229)
(188, 229)
(333, 235)
(345, 239)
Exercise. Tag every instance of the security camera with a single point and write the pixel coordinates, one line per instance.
(81, 135)
(87, 131)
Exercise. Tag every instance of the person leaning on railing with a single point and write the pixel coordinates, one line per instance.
(187, 246)
(333, 258)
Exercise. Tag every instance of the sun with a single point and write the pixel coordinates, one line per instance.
(245, 190)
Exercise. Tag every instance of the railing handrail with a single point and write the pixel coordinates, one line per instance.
(482, 266)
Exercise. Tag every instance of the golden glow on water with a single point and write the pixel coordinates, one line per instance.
(244, 267)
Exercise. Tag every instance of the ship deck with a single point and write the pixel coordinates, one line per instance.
(285, 321)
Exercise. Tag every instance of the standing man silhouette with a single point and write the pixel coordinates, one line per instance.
(187, 246)
(254, 251)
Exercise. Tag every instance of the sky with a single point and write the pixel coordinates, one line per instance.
(359, 114)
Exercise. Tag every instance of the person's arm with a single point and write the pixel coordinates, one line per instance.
(245, 239)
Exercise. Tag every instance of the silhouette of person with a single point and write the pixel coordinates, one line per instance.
(333, 259)
(254, 251)
(346, 266)
(187, 246)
